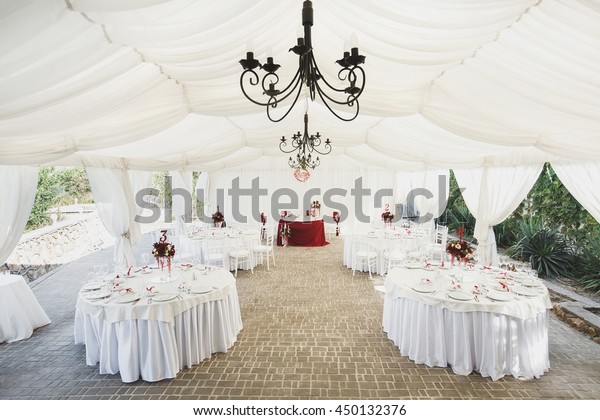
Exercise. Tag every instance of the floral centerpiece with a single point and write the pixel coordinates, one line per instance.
(315, 208)
(218, 218)
(387, 217)
(285, 233)
(163, 250)
(460, 248)
(336, 219)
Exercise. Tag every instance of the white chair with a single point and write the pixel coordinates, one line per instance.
(363, 253)
(329, 230)
(240, 253)
(215, 251)
(266, 250)
(394, 254)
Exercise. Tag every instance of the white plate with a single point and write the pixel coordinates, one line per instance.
(423, 287)
(460, 295)
(95, 285)
(146, 271)
(198, 290)
(98, 294)
(127, 298)
(413, 266)
(163, 297)
(525, 291)
(499, 288)
(531, 283)
(499, 296)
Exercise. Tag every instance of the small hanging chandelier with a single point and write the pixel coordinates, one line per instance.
(306, 145)
(308, 74)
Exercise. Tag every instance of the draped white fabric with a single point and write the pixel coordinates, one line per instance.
(114, 201)
(492, 194)
(427, 190)
(581, 179)
(154, 84)
(355, 192)
(19, 186)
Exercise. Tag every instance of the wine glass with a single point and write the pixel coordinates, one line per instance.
(104, 269)
(145, 258)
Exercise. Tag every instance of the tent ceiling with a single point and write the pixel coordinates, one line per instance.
(152, 84)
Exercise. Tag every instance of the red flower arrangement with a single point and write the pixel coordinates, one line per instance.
(386, 216)
(460, 248)
(163, 249)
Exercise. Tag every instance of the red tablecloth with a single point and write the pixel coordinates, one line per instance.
(304, 233)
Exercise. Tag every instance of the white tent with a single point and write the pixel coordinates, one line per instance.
(154, 85)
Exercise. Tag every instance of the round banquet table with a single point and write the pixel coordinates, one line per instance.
(20, 312)
(493, 337)
(174, 324)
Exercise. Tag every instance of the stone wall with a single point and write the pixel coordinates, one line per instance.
(45, 249)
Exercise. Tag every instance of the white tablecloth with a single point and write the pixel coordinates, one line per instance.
(156, 340)
(20, 312)
(489, 337)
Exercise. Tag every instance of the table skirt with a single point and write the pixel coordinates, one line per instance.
(492, 344)
(20, 311)
(156, 350)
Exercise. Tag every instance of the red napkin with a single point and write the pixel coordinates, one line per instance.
(504, 286)
(129, 271)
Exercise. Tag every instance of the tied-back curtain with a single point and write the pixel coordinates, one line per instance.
(114, 201)
(492, 194)
(19, 186)
(581, 179)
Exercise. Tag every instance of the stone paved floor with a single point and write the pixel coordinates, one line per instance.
(311, 331)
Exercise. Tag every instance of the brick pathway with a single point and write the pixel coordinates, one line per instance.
(311, 331)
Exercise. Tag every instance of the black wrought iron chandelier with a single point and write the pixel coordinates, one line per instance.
(306, 145)
(308, 74)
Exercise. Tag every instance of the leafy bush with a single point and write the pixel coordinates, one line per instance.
(547, 250)
(47, 191)
(506, 232)
(459, 216)
(587, 265)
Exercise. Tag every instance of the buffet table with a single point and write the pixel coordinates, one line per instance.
(309, 234)
(20, 312)
(152, 326)
(480, 320)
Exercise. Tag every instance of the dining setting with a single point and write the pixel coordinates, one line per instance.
(472, 318)
(149, 323)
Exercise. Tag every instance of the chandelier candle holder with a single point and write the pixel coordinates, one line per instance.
(308, 74)
(305, 145)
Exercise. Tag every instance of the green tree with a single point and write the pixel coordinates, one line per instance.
(47, 191)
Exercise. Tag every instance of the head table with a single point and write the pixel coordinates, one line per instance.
(152, 325)
(480, 319)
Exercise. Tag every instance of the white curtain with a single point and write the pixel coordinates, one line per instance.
(19, 186)
(492, 194)
(434, 181)
(114, 200)
(581, 179)
(140, 180)
(182, 201)
(203, 185)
